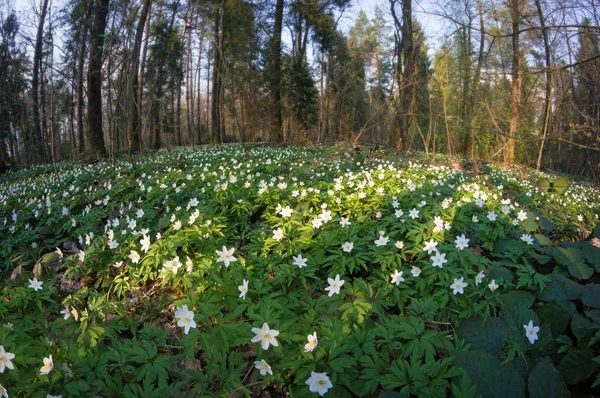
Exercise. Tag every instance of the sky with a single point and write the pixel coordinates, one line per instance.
(432, 26)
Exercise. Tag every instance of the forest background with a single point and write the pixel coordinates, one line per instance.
(516, 81)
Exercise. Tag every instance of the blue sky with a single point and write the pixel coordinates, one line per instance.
(431, 25)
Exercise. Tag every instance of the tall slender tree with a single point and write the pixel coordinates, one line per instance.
(95, 146)
(80, 79)
(405, 54)
(217, 76)
(135, 99)
(515, 9)
(548, 84)
(39, 144)
(276, 133)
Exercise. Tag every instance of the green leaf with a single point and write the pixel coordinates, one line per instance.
(546, 224)
(591, 254)
(591, 295)
(580, 271)
(556, 316)
(594, 315)
(488, 337)
(577, 365)
(596, 231)
(582, 328)
(542, 240)
(466, 389)
(163, 223)
(45, 230)
(567, 255)
(501, 273)
(529, 225)
(560, 289)
(518, 298)
(545, 381)
(516, 316)
(560, 184)
(543, 184)
(491, 379)
(391, 394)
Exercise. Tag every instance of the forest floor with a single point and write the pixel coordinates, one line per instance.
(256, 271)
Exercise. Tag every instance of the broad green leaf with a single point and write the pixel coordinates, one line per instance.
(518, 298)
(556, 316)
(516, 316)
(46, 230)
(577, 365)
(591, 295)
(546, 224)
(542, 240)
(163, 223)
(594, 315)
(499, 273)
(529, 225)
(543, 184)
(567, 255)
(582, 328)
(580, 271)
(596, 231)
(466, 389)
(488, 337)
(540, 258)
(560, 184)
(545, 381)
(491, 379)
(392, 394)
(561, 289)
(591, 254)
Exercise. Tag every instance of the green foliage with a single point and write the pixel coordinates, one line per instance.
(186, 231)
(559, 185)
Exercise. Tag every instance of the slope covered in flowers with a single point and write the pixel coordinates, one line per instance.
(305, 271)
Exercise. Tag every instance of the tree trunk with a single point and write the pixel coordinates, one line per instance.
(180, 79)
(276, 135)
(408, 53)
(80, 77)
(404, 74)
(39, 151)
(215, 114)
(189, 82)
(140, 91)
(44, 114)
(517, 79)
(199, 81)
(208, 114)
(134, 98)
(95, 138)
(478, 67)
(548, 92)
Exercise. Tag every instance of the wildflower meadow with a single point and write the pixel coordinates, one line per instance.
(252, 271)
